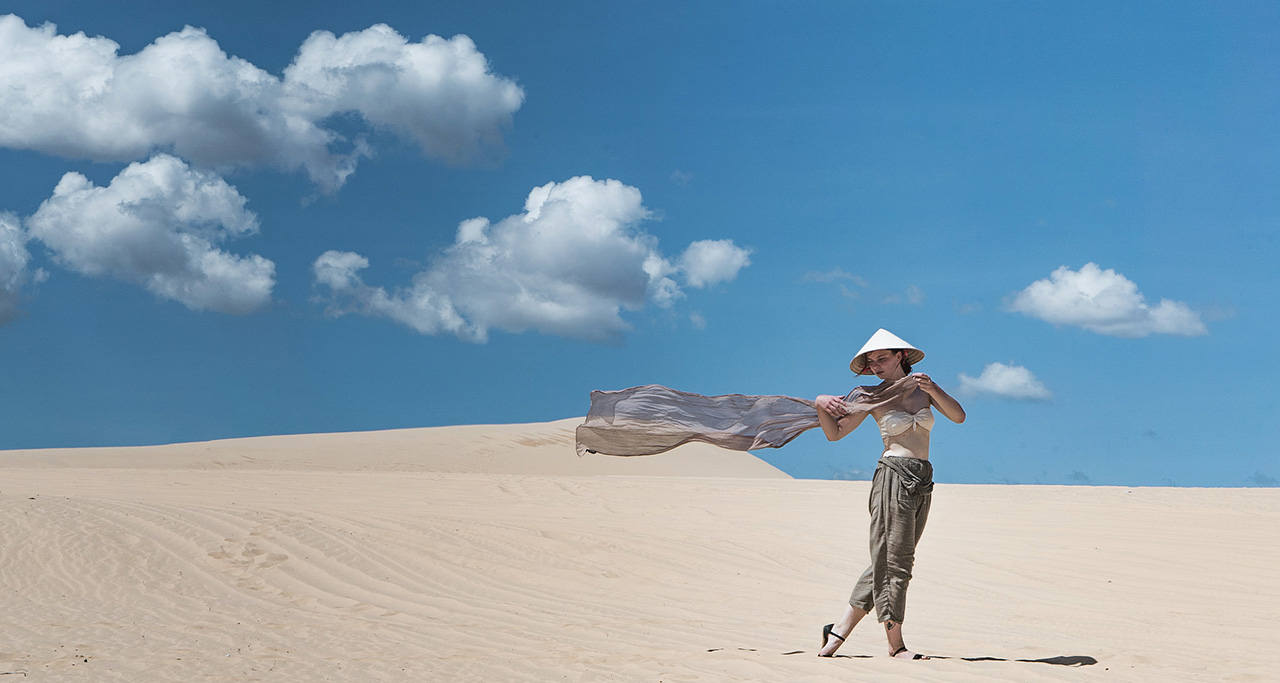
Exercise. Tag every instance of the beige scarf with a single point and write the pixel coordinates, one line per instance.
(653, 418)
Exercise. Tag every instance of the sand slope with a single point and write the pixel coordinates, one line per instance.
(540, 448)
(310, 571)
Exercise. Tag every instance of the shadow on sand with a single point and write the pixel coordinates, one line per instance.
(1060, 660)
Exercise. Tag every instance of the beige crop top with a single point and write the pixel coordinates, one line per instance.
(897, 422)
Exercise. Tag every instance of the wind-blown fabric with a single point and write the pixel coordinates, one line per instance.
(652, 419)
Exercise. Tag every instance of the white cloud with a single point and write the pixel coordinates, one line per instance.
(1007, 381)
(14, 258)
(567, 265)
(852, 474)
(436, 92)
(337, 269)
(708, 262)
(158, 224)
(849, 293)
(914, 295)
(833, 275)
(1105, 302)
(75, 96)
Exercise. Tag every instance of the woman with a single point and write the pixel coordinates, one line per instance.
(902, 486)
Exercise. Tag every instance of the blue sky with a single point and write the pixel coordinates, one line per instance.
(253, 228)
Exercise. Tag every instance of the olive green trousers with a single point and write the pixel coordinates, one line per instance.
(901, 492)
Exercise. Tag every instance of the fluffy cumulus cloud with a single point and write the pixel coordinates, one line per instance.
(75, 96)
(1105, 302)
(158, 224)
(437, 92)
(14, 258)
(707, 262)
(567, 265)
(1005, 381)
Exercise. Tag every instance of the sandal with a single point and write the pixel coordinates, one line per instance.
(914, 655)
(828, 633)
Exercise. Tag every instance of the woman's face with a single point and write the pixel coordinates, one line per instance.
(885, 364)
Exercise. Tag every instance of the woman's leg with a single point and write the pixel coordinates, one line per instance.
(898, 519)
(841, 629)
(899, 510)
(861, 601)
(898, 648)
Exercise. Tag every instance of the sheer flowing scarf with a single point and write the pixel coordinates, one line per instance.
(653, 419)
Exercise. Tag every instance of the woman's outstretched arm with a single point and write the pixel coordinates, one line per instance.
(834, 417)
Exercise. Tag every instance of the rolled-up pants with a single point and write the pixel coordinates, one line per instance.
(901, 492)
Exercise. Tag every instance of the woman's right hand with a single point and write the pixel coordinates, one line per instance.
(832, 405)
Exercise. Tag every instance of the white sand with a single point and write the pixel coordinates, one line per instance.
(495, 554)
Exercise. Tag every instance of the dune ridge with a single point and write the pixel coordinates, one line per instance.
(537, 448)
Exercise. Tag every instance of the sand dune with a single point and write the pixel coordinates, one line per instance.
(285, 560)
(540, 448)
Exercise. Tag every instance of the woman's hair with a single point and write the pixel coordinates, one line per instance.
(902, 357)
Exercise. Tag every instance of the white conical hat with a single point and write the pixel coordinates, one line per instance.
(884, 339)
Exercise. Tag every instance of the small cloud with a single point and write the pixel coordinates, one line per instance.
(852, 474)
(1260, 479)
(1105, 302)
(664, 292)
(1078, 477)
(849, 293)
(681, 178)
(833, 275)
(708, 262)
(698, 321)
(965, 308)
(913, 295)
(1150, 433)
(1013, 382)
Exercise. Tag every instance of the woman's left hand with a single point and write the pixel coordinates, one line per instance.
(949, 406)
(925, 383)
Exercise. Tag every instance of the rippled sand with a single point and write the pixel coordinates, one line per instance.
(495, 554)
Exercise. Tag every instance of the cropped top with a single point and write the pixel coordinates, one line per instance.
(897, 422)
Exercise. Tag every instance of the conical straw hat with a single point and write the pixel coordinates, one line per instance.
(884, 339)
